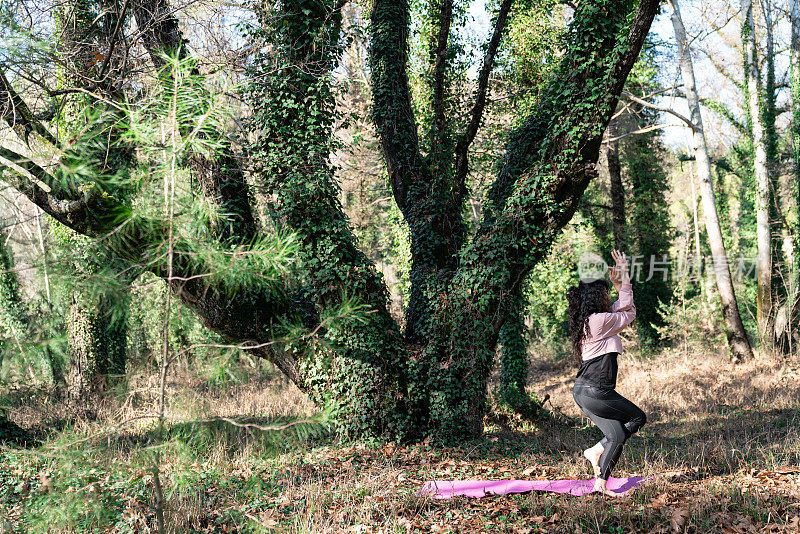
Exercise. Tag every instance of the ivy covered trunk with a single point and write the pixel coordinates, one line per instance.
(374, 378)
(96, 340)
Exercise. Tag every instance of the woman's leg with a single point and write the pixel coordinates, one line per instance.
(615, 416)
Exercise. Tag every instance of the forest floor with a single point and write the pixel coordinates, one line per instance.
(721, 451)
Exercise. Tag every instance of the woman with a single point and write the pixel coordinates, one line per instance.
(593, 328)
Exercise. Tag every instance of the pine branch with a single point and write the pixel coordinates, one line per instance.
(222, 179)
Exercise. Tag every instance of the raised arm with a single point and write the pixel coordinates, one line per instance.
(602, 325)
(625, 300)
(623, 311)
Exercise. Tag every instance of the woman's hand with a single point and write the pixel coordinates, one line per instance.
(619, 272)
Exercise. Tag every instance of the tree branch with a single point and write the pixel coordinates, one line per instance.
(445, 17)
(566, 100)
(646, 129)
(244, 316)
(73, 213)
(722, 70)
(647, 104)
(18, 115)
(113, 42)
(726, 113)
(393, 113)
(464, 142)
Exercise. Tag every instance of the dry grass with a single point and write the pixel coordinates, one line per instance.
(721, 447)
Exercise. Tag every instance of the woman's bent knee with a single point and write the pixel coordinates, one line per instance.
(639, 420)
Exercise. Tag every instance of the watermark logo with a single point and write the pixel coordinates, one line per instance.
(591, 267)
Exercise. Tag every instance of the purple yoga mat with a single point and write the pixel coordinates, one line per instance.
(444, 489)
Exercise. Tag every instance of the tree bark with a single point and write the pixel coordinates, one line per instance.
(794, 278)
(779, 330)
(84, 343)
(761, 170)
(737, 337)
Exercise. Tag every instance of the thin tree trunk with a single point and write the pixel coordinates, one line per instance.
(698, 256)
(762, 175)
(85, 342)
(794, 278)
(617, 189)
(737, 337)
(780, 254)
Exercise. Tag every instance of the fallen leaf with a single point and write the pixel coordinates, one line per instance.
(678, 519)
(527, 472)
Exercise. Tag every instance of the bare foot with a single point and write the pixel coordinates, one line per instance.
(600, 487)
(593, 455)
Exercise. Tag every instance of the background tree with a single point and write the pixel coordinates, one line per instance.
(737, 337)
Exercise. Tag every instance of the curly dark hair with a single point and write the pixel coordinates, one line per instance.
(584, 299)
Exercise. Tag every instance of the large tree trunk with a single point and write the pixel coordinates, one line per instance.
(547, 169)
(737, 337)
(761, 170)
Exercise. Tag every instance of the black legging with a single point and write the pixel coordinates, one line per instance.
(617, 417)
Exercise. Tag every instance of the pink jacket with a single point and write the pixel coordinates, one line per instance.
(601, 336)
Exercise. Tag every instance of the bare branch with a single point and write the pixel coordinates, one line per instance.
(647, 104)
(113, 41)
(722, 69)
(18, 115)
(639, 131)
